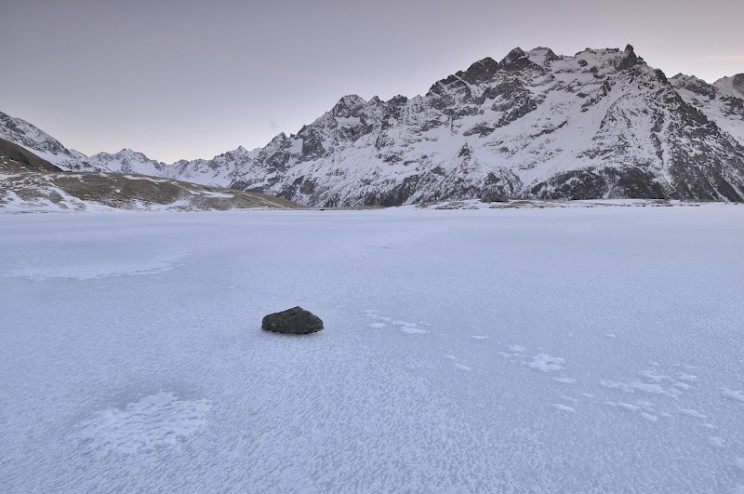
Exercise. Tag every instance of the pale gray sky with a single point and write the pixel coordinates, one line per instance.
(192, 79)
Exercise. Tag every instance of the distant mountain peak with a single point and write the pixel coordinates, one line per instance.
(126, 154)
(516, 59)
(732, 86)
(542, 56)
(481, 71)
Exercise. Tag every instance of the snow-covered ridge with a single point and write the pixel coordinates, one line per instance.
(598, 124)
(43, 145)
(128, 161)
(731, 86)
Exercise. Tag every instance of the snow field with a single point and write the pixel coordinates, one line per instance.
(551, 350)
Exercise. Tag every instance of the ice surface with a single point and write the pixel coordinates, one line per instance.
(463, 351)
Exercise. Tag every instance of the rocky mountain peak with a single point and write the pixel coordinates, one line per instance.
(630, 59)
(694, 85)
(349, 106)
(237, 153)
(126, 155)
(731, 86)
(515, 60)
(130, 153)
(542, 56)
(481, 71)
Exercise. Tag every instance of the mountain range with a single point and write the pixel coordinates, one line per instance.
(29, 183)
(599, 124)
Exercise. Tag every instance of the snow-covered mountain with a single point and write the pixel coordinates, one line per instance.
(128, 161)
(599, 124)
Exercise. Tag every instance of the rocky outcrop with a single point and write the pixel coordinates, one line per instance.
(292, 321)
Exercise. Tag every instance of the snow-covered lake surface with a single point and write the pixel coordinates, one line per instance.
(501, 351)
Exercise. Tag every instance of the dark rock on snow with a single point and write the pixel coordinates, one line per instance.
(294, 321)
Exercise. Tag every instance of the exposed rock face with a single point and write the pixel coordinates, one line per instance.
(14, 158)
(293, 321)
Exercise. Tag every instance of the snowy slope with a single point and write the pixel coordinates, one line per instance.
(494, 351)
(720, 102)
(41, 144)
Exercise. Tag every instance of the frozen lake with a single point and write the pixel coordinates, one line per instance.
(548, 350)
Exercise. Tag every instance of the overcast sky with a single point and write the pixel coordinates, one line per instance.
(192, 79)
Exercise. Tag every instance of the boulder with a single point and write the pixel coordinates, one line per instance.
(293, 321)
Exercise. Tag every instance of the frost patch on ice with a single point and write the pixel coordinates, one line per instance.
(653, 376)
(405, 326)
(154, 421)
(624, 406)
(545, 363)
(642, 387)
(462, 367)
(733, 394)
(564, 380)
(692, 413)
(103, 269)
(682, 376)
(517, 348)
(409, 327)
(479, 337)
(413, 329)
(643, 408)
(563, 408)
(717, 442)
